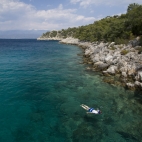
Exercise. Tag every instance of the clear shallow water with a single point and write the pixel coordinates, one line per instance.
(42, 86)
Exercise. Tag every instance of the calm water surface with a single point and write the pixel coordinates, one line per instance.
(42, 86)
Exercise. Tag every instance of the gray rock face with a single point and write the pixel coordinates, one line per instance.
(134, 42)
(131, 69)
(96, 58)
(140, 75)
(70, 40)
(130, 85)
(101, 66)
(97, 50)
(137, 83)
(112, 69)
(87, 52)
(111, 60)
(124, 74)
(108, 59)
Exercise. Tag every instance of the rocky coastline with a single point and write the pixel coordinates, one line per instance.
(49, 38)
(120, 64)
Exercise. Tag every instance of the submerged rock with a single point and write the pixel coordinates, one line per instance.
(130, 85)
(88, 133)
(137, 83)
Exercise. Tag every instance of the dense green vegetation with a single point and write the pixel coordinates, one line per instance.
(119, 29)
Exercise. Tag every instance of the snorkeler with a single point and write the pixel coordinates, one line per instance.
(91, 110)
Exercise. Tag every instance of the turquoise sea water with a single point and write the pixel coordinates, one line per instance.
(42, 86)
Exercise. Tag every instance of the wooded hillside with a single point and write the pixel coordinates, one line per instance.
(119, 29)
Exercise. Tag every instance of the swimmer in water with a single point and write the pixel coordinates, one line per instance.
(91, 110)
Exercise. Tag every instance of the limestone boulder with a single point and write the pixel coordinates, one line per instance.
(123, 69)
(70, 40)
(112, 69)
(101, 44)
(87, 52)
(116, 54)
(102, 58)
(109, 58)
(97, 50)
(98, 63)
(137, 83)
(131, 69)
(122, 64)
(96, 58)
(130, 85)
(103, 66)
(111, 44)
(115, 61)
(124, 74)
(92, 49)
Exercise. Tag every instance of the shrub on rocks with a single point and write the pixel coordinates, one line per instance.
(124, 52)
(112, 48)
(121, 41)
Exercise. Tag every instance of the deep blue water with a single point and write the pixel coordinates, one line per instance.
(42, 85)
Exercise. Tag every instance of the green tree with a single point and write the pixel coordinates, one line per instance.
(134, 20)
(116, 28)
(132, 6)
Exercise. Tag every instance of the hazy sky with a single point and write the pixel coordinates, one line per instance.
(57, 14)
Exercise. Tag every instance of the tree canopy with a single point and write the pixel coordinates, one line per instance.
(118, 28)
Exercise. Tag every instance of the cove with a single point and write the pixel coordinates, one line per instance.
(43, 84)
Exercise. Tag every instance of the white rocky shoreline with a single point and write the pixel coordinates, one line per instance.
(112, 59)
